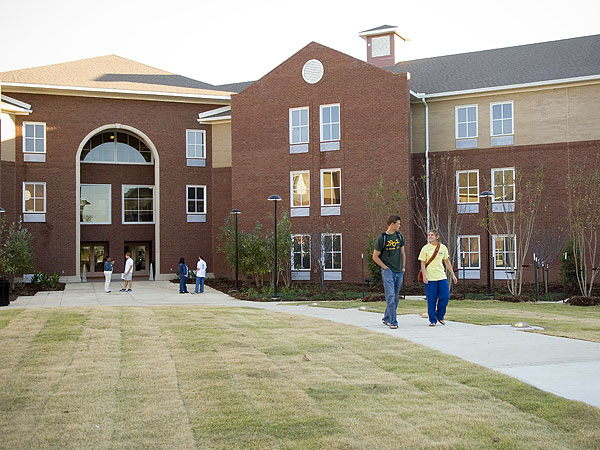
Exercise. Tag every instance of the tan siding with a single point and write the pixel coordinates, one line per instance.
(417, 128)
(221, 145)
(8, 137)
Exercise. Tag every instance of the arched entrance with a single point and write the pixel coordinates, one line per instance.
(118, 202)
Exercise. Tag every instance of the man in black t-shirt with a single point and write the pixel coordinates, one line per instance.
(389, 254)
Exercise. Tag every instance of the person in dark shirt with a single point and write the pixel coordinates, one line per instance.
(108, 270)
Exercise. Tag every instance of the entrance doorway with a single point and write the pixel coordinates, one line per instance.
(140, 253)
(92, 256)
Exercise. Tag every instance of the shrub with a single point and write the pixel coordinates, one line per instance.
(584, 301)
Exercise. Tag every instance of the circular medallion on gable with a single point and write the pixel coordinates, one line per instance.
(312, 72)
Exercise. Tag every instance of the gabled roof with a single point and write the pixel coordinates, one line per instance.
(235, 87)
(532, 63)
(109, 72)
(381, 28)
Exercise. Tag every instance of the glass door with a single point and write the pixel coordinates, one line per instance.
(92, 257)
(140, 253)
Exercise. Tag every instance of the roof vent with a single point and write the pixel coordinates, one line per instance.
(312, 72)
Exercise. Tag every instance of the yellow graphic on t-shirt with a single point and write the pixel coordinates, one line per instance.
(392, 245)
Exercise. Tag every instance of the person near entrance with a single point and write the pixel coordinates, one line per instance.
(389, 254)
(128, 274)
(183, 274)
(108, 270)
(200, 274)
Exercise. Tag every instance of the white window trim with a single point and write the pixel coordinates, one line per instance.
(126, 186)
(476, 121)
(323, 187)
(321, 122)
(458, 172)
(494, 237)
(203, 132)
(308, 125)
(492, 118)
(514, 185)
(309, 253)
(187, 199)
(23, 196)
(24, 145)
(114, 161)
(292, 188)
(460, 250)
(109, 204)
(341, 251)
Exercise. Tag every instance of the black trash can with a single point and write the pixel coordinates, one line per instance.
(4, 292)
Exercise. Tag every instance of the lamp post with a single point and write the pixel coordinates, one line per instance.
(275, 199)
(487, 195)
(2, 210)
(236, 213)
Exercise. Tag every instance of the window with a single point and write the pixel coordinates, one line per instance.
(301, 252)
(95, 204)
(466, 122)
(468, 247)
(501, 118)
(467, 186)
(114, 146)
(138, 204)
(330, 123)
(331, 187)
(505, 253)
(195, 143)
(503, 182)
(196, 199)
(300, 188)
(34, 137)
(34, 197)
(299, 125)
(332, 251)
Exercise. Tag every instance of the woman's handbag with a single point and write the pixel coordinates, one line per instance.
(429, 262)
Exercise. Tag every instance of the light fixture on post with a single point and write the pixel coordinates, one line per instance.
(275, 199)
(487, 195)
(236, 213)
(2, 210)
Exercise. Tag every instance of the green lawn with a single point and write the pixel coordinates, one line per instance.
(557, 319)
(201, 377)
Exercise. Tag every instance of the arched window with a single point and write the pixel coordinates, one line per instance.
(112, 146)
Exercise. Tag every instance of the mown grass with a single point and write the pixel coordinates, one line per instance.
(557, 319)
(201, 377)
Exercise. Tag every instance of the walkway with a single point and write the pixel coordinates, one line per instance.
(565, 367)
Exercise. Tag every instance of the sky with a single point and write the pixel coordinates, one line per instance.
(228, 41)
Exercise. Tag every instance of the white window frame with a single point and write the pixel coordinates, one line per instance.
(302, 246)
(458, 172)
(512, 109)
(503, 236)
(187, 143)
(461, 252)
(339, 122)
(43, 183)
(109, 204)
(456, 108)
(187, 199)
(35, 138)
(332, 251)
(291, 127)
(323, 187)
(498, 169)
(127, 186)
(296, 172)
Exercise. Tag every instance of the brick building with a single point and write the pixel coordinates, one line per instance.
(316, 130)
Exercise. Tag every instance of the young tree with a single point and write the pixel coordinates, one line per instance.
(444, 214)
(515, 217)
(284, 248)
(584, 224)
(382, 200)
(547, 245)
(16, 252)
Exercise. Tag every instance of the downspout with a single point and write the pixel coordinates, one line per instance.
(426, 155)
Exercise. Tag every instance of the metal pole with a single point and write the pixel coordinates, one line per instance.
(236, 252)
(362, 271)
(489, 259)
(275, 296)
(536, 277)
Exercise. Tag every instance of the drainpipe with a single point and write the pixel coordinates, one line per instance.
(426, 155)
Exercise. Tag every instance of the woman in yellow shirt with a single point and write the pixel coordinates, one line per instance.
(434, 277)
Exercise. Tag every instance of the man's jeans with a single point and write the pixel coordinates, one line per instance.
(199, 281)
(392, 282)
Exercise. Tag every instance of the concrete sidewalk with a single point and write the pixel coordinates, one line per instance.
(565, 367)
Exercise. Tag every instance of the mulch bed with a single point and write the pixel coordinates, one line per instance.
(29, 289)
(579, 300)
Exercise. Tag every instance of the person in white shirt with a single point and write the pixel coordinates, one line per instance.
(200, 274)
(128, 274)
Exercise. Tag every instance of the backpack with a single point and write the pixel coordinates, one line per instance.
(384, 235)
